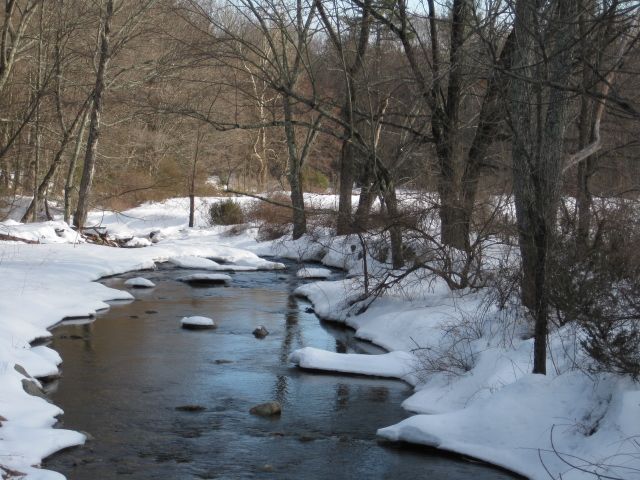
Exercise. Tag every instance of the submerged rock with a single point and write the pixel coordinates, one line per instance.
(267, 409)
(260, 332)
(191, 408)
(197, 323)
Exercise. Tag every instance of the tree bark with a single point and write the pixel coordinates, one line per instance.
(69, 183)
(294, 174)
(395, 228)
(539, 119)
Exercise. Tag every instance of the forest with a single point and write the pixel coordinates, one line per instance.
(486, 145)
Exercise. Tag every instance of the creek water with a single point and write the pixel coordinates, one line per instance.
(125, 373)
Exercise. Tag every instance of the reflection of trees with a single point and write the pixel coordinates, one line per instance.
(343, 393)
(292, 332)
(87, 337)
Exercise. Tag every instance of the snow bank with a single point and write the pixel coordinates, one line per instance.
(309, 272)
(474, 393)
(401, 365)
(482, 402)
(139, 282)
(55, 279)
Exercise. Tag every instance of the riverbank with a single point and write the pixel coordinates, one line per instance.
(480, 400)
(47, 282)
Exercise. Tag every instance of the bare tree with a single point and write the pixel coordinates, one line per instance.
(110, 44)
(539, 107)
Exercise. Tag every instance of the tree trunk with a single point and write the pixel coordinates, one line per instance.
(88, 170)
(539, 119)
(351, 68)
(395, 228)
(347, 177)
(69, 181)
(294, 174)
(57, 161)
(365, 202)
(192, 181)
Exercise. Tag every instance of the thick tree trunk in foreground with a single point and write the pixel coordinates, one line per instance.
(539, 118)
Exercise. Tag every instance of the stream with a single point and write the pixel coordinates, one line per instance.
(125, 374)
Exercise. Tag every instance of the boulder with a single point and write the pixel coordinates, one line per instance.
(260, 332)
(197, 323)
(266, 409)
(206, 279)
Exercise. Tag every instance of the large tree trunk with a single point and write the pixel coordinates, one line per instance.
(539, 118)
(345, 189)
(294, 174)
(395, 227)
(88, 170)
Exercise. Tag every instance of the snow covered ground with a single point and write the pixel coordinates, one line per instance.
(469, 362)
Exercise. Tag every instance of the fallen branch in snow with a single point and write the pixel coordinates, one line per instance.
(591, 468)
(10, 473)
(11, 238)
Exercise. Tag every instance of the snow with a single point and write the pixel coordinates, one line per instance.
(400, 364)
(138, 242)
(194, 262)
(198, 263)
(309, 272)
(205, 278)
(139, 282)
(197, 320)
(481, 401)
(54, 279)
(485, 405)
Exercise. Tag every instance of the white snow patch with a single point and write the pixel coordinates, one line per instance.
(205, 277)
(400, 365)
(195, 263)
(198, 321)
(309, 272)
(139, 282)
(138, 242)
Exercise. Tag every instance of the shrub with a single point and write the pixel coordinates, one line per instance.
(273, 220)
(314, 180)
(600, 290)
(226, 212)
